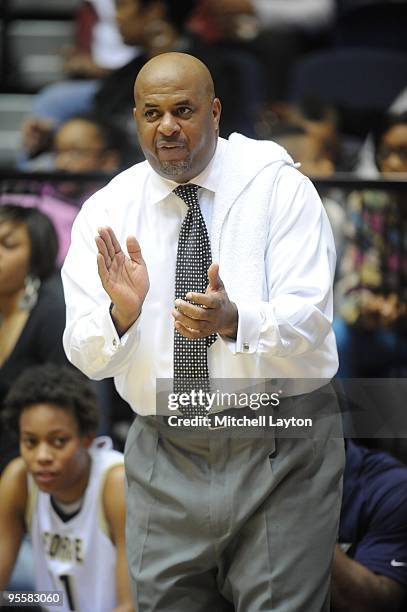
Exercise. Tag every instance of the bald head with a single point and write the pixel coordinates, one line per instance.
(177, 115)
(163, 68)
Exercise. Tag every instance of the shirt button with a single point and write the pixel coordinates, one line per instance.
(114, 342)
(246, 346)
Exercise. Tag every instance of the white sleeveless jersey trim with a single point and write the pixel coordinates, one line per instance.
(76, 557)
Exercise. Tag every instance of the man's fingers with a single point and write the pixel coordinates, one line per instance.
(215, 281)
(115, 242)
(134, 249)
(102, 269)
(102, 249)
(107, 235)
(109, 246)
(204, 327)
(203, 299)
(192, 311)
(188, 332)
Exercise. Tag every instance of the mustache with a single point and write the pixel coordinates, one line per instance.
(171, 140)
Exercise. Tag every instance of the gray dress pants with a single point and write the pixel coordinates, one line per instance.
(242, 523)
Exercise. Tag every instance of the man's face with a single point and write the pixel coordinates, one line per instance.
(177, 123)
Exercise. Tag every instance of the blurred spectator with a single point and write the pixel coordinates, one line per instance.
(391, 145)
(87, 144)
(306, 147)
(290, 29)
(309, 131)
(84, 143)
(32, 307)
(225, 40)
(276, 31)
(47, 198)
(371, 291)
(156, 26)
(366, 165)
(313, 149)
(230, 20)
(316, 117)
(99, 50)
(99, 47)
(370, 564)
(321, 120)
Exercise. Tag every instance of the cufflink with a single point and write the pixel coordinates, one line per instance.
(246, 346)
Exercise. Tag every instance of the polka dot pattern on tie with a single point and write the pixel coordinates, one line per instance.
(191, 274)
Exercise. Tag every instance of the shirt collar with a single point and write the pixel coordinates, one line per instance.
(209, 178)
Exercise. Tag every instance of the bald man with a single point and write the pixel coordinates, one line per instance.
(221, 516)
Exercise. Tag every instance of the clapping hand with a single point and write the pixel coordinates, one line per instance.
(124, 277)
(211, 312)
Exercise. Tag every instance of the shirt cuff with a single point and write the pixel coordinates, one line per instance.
(113, 342)
(248, 330)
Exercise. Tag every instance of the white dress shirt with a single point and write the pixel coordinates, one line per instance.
(288, 336)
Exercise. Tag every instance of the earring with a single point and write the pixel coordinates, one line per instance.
(32, 285)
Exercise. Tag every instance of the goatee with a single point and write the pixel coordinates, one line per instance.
(176, 168)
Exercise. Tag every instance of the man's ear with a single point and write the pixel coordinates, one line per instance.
(216, 111)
